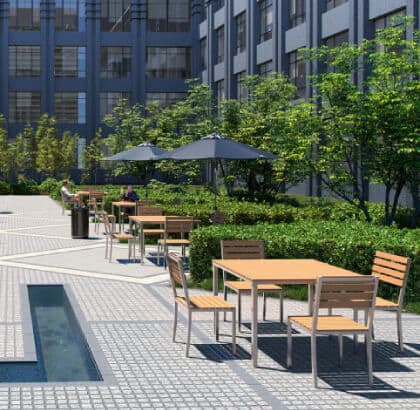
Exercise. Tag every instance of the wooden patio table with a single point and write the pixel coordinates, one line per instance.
(274, 271)
(119, 205)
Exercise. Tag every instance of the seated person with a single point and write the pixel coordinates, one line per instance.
(130, 196)
(66, 195)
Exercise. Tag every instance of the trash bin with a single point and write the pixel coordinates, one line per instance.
(80, 222)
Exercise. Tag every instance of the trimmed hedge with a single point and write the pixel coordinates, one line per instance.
(349, 245)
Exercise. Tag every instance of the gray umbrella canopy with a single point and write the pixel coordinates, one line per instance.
(216, 146)
(145, 151)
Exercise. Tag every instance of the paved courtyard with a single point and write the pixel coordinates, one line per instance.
(129, 309)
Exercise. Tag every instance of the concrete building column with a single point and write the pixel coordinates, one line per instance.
(252, 35)
(47, 17)
(93, 12)
(4, 58)
(139, 32)
(196, 10)
(230, 49)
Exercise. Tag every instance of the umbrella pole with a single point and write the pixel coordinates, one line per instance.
(214, 185)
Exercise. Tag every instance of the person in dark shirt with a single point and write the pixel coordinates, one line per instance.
(131, 195)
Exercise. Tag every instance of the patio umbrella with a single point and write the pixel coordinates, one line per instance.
(146, 151)
(216, 146)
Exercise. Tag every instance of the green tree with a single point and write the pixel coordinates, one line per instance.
(48, 161)
(67, 153)
(92, 158)
(6, 159)
(370, 131)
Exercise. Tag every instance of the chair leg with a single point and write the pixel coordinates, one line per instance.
(106, 247)
(216, 326)
(110, 250)
(289, 344)
(225, 298)
(314, 361)
(233, 331)
(356, 319)
(239, 311)
(399, 330)
(281, 306)
(175, 321)
(369, 356)
(264, 305)
(340, 349)
(189, 333)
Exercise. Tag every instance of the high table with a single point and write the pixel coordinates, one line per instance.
(122, 204)
(274, 271)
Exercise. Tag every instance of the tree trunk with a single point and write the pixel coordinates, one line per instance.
(395, 204)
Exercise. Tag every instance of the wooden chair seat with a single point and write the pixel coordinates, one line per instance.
(173, 242)
(122, 236)
(382, 303)
(207, 302)
(329, 323)
(244, 286)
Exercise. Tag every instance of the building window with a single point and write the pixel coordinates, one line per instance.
(24, 61)
(393, 19)
(203, 53)
(218, 4)
(24, 15)
(265, 69)
(297, 73)
(203, 16)
(266, 20)
(115, 62)
(70, 15)
(70, 108)
(115, 15)
(168, 15)
(241, 90)
(166, 99)
(296, 12)
(335, 3)
(168, 62)
(220, 44)
(70, 62)
(241, 33)
(107, 101)
(24, 107)
(337, 39)
(220, 94)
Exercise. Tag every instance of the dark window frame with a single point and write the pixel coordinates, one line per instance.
(17, 58)
(220, 45)
(16, 21)
(165, 70)
(121, 23)
(331, 4)
(295, 67)
(241, 32)
(168, 23)
(121, 67)
(297, 12)
(266, 14)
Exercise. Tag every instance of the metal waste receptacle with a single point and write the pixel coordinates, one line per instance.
(80, 222)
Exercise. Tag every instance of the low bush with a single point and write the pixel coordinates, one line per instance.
(5, 188)
(25, 186)
(51, 187)
(348, 245)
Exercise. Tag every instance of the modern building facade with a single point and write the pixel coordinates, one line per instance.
(76, 59)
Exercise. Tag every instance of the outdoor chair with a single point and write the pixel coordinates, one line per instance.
(247, 250)
(96, 205)
(392, 270)
(343, 293)
(144, 204)
(64, 201)
(174, 225)
(202, 303)
(110, 235)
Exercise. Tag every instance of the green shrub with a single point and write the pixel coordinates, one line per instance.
(350, 245)
(5, 188)
(50, 186)
(25, 186)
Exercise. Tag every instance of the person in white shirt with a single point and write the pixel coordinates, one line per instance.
(66, 195)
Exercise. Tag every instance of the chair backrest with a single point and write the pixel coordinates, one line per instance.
(178, 224)
(218, 218)
(144, 203)
(177, 275)
(149, 210)
(346, 292)
(392, 269)
(97, 195)
(242, 249)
